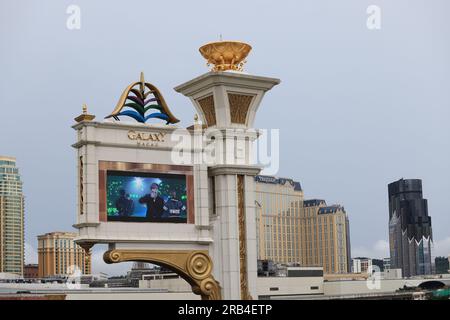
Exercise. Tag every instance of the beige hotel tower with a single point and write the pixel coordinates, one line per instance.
(293, 230)
(58, 254)
(278, 205)
(11, 218)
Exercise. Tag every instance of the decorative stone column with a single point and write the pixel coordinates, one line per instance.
(227, 102)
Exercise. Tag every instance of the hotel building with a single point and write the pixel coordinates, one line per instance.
(278, 205)
(293, 230)
(11, 218)
(325, 236)
(58, 254)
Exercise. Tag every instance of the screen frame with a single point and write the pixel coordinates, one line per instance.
(145, 169)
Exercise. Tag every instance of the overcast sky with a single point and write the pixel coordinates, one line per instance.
(357, 108)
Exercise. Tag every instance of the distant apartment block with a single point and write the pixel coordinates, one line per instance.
(386, 263)
(361, 265)
(31, 271)
(442, 265)
(11, 218)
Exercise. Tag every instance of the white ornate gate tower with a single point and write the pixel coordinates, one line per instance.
(215, 250)
(227, 101)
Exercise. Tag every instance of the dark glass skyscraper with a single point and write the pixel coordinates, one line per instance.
(410, 235)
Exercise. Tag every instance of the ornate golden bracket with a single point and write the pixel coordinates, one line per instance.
(193, 266)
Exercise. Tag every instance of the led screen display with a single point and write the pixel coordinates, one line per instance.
(146, 197)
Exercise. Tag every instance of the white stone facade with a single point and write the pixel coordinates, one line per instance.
(216, 226)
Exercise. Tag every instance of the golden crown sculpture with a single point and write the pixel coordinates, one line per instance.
(226, 55)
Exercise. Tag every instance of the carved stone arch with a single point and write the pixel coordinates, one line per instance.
(193, 266)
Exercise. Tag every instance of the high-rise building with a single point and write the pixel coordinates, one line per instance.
(11, 217)
(278, 205)
(410, 234)
(325, 236)
(291, 230)
(59, 255)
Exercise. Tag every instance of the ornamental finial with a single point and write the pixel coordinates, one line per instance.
(84, 116)
(226, 55)
(142, 80)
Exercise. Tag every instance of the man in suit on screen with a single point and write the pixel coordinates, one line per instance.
(154, 203)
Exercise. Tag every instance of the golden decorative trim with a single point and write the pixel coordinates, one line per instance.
(81, 181)
(226, 55)
(239, 106)
(207, 105)
(193, 266)
(84, 117)
(245, 294)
